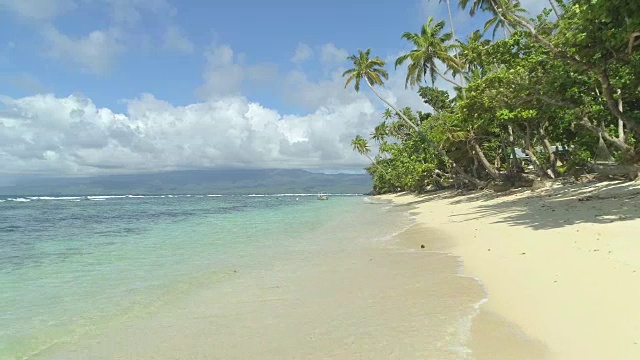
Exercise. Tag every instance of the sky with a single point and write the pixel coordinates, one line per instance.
(119, 86)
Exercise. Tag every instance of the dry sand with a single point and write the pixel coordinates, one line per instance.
(561, 266)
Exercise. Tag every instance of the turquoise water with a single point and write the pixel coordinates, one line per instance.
(71, 266)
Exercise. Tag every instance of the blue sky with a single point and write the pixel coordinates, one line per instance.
(135, 69)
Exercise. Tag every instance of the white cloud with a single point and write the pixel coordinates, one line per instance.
(24, 82)
(124, 12)
(95, 52)
(303, 52)
(39, 9)
(331, 55)
(223, 75)
(45, 134)
(226, 72)
(175, 40)
(302, 91)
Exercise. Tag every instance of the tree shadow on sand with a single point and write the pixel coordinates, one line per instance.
(565, 206)
(552, 208)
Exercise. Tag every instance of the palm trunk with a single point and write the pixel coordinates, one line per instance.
(376, 164)
(553, 162)
(555, 10)
(620, 122)
(528, 149)
(483, 159)
(444, 155)
(453, 35)
(447, 79)
(475, 167)
(514, 162)
(498, 12)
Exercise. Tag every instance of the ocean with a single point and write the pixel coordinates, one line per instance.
(208, 276)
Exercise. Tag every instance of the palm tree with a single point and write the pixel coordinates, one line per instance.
(503, 11)
(470, 53)
(372, 71)
(380, 132)
(453, 32)
(430, 46)
(387, 114)
(361, 145)
(475, 5)
(497, 21)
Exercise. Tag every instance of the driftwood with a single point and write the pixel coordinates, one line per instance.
(631, 172)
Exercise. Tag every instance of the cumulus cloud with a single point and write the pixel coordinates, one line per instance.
(72, 135)
(302, 91)
(223, 74)
(95, 52)
(303, 52)
(226, 71)
(176, 40)
(310, 94)
(330, 54)
(24, 82)
(122, 11)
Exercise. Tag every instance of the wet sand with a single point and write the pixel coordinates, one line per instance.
(561, 267)
(383, 299)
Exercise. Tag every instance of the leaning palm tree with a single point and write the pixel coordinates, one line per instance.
(498, 22)
(373, 73)
(380, 132)
(504, 12)
(430, 46)
(475, 5)
(361, 145)
(453, 32)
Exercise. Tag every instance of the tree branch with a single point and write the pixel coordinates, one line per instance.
(601, 73)
(632, 41)
(596, 130)
(447, 79)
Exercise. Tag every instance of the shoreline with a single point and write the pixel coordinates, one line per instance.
(559, 265)
(351, 291)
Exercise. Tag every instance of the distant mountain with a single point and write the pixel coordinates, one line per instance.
(263, 181)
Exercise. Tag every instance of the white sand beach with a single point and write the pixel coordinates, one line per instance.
(561, 266)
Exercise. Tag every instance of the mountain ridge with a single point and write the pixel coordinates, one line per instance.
(223, 182)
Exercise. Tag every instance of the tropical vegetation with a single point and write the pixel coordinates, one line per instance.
(529, 96)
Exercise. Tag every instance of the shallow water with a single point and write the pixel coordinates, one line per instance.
(223, 277)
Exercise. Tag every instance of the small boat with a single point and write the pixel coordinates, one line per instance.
(323, 196)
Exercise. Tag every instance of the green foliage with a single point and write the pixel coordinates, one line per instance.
(436, 98)
(430, 46)
(561, 89)
(371, 70)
